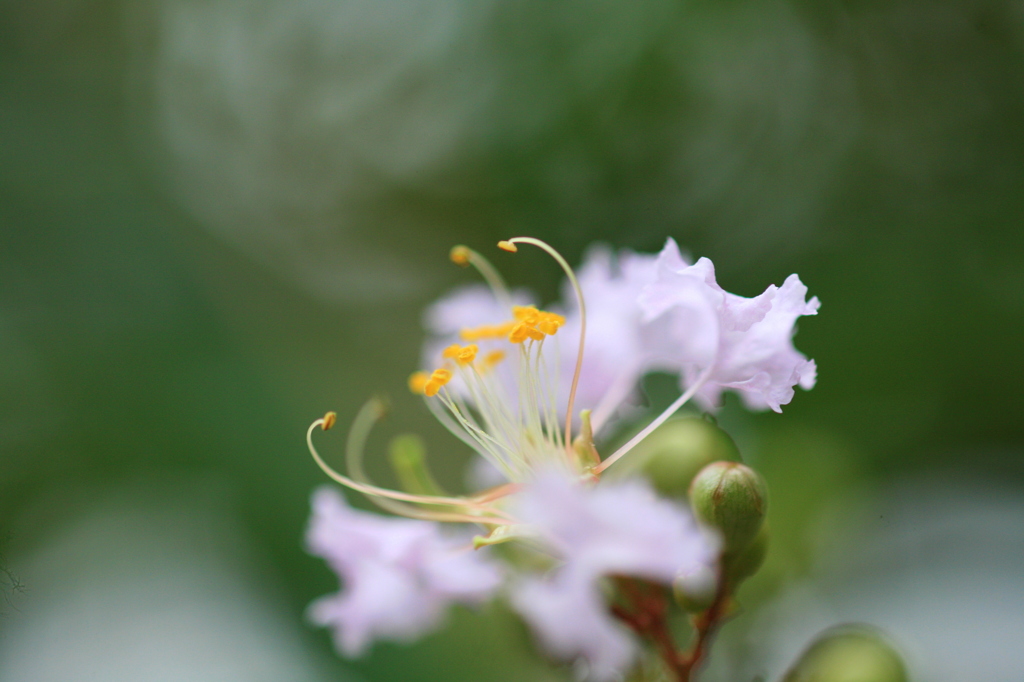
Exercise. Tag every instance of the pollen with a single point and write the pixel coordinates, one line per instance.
(507, 246)
(487, 331)
(467, 355)
(438, 378)
(527, 314)
(417, 382)
(550, 323)
(493, 358)
(523, 331)
(451, 351)
(459, 255)
(328, 420)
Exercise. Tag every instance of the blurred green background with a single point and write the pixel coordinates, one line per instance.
(220, 219)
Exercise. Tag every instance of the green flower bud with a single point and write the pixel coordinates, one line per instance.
(732, 498)
(679, 448)
(744, 563)
(695, 591)
(849, 653)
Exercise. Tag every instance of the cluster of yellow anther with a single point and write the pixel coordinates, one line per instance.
(429, 384)
(422, 383)
(487, 331)
(528, 323)
(461, 354)
(533, 324)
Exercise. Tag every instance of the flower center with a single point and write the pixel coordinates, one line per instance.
(508, 413)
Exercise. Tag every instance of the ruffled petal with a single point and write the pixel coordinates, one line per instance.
(398, 575)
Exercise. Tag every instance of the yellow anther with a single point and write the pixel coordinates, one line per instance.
(550, 322)
(451, 351)
(438, 378)
(467, 355)
(523, 331)
(547, 326)
(487, 331)
(417, 382)
(520, 311)
(459, 255)
(556, 318)
(507, 246)
(527, 314)
(518, 333)
(493, 358)
(328, 420)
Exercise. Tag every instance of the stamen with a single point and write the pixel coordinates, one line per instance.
(510, 245)
(550, 323)
(463, 255)
(527, 314)
(438, 378)
(467, 355)
(523, 331)
(658, 421)
(486, 331)
(459, 255)
(451, 351)
(417, 384)
(328, 420)
(493, 358)
(364, 420)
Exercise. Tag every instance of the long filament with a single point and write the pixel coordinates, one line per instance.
(489, 273)
(658, 421)
(355, 445)
(372, 490)
(583, 325)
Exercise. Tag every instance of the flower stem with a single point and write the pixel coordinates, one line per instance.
(648, 617)
(706, 624)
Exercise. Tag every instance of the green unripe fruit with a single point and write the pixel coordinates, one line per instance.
(731, 498)
(678, 449)
(849, 653)
(744, 563)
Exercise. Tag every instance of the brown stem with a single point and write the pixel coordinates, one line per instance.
(706, 623)
(647, 615)
(649, 618)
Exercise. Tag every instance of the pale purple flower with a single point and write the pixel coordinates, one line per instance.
(729, 341)
(644, 313)
(398, 575)
(598, 531)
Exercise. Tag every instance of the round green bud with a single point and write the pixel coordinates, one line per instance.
(849, 653)
(744, 563)
(733, 499)
(679, 448)
(695, 591)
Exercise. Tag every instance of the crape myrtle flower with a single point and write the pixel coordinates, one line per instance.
(398, 575)
(611, 529)
(505, 380)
